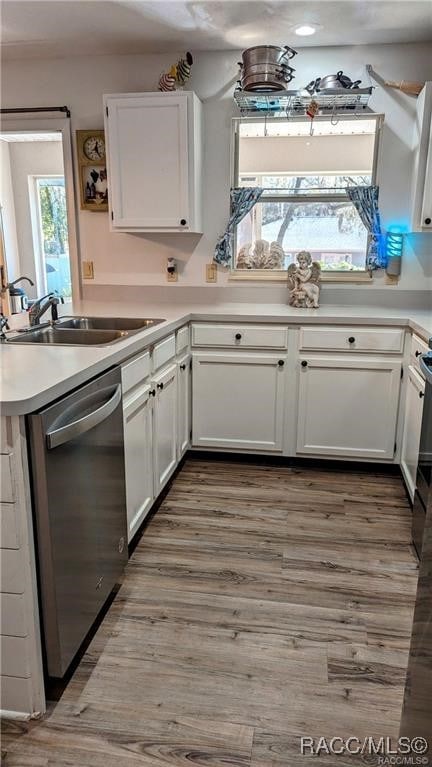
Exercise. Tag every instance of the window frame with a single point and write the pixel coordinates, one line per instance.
(279, 275)
(31, 124)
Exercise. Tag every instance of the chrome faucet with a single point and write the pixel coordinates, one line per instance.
(14, 282)
(38, 308)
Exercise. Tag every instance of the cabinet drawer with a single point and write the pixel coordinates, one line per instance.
(164, 351)
(8, 527)
(135, 371)
(352, 339)
(182, 339)
(240, 336)
(13, 621)
(7, 493)
(418, 347)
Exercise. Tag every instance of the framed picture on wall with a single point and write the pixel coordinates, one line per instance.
(92, 170)
(94, 187)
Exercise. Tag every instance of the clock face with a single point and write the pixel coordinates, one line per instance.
(94, 148)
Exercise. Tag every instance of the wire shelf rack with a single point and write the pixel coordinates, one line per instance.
(296, 102)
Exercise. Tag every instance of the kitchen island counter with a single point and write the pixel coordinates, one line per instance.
(33, 375)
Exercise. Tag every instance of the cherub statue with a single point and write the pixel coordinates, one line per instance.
(303, 282)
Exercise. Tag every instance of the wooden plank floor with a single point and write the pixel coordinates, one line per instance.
(263, 603)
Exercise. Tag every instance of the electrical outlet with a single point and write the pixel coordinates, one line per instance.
(211, 273)
(87, 270)
(172, 276)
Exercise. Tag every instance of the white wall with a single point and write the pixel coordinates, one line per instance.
(32, 158)
(8, 213)
(139, 259)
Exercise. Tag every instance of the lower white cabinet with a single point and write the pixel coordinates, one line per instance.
(184, 394)
(347, 407)
(138, 446)
(412, 429)
(238, 400)
(164, 386)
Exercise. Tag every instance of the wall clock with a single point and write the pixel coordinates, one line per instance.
(92, 169)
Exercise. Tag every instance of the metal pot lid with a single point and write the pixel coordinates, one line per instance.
(266, 67)
(282, 48)
(258, 85)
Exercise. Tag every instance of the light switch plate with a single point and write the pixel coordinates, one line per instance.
(87, 270)
(211, 273)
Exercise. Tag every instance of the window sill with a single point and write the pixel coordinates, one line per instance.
(262, 275)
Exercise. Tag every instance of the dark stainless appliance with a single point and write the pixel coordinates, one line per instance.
(423, 494)
(77, 459)
(417, 709)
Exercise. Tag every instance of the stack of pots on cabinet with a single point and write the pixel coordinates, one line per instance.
(266, 68)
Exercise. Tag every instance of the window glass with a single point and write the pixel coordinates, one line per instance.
(304, 204)
(53, 234)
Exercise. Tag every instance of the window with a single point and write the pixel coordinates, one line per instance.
(50, 234)
(304, 205)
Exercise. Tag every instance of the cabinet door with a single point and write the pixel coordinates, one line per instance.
(412, 429)
(165, 426)
(347, 408)
(238, 401)
(184, 404)
(137, 418)
(426, 220)
(421, 193)
(147, 138)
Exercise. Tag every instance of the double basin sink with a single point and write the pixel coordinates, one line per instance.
(82, 331)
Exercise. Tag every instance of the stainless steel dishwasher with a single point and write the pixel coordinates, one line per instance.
(77, 462)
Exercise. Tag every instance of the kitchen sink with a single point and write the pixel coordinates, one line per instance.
(129, 324)
(82, 331)
(68, 337)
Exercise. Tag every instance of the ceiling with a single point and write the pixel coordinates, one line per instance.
(47, 28)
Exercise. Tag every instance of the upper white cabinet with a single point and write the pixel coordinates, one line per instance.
(154, 161)
(347, 407)
(421, 217)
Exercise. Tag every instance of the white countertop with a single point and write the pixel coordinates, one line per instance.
(33, 375)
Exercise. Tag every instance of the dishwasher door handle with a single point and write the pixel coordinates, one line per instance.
(58, 437)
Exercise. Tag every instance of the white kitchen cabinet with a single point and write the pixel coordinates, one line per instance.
(184, 404)
(164, 386)
(412, 428)
(421, 214)
(347, 407)
(138, 447)
(154, 161)
(238, 400)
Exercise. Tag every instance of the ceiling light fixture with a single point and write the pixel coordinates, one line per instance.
(304, 30)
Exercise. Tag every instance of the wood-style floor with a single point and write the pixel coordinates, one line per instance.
(262, 603)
